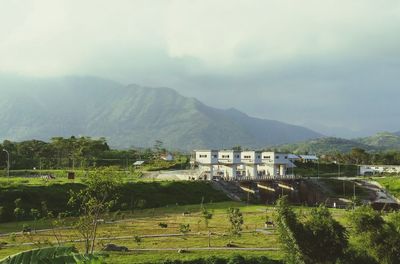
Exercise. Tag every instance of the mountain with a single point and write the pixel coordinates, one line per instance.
(129, 116)
(383, 141)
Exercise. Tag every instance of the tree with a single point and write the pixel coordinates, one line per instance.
(380, 238)
(19, 212)
(318, 239)
(206, 215)
(158, 146)
(35, 215)
(288, 230)
(184, 229)
(324, 240)
(236, 220)
(93, 201)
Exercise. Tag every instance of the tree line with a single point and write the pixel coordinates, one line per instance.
(72, 152)
(359, 156)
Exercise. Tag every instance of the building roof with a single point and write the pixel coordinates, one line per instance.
(138, 162)
(309, 157)
(292, 156)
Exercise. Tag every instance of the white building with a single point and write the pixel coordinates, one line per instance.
(230, 164)
(205, 160)
(228, 160)
(250, 162)
(274, 164)
(378, 169)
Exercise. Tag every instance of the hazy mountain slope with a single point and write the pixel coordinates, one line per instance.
(129, 115)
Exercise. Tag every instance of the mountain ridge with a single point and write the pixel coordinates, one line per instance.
(130, 115)
(381, 141)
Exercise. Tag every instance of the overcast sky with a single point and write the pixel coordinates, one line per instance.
(333, 66)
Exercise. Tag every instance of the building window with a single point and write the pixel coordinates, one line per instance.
(267, 157)
(202, 156)
(237, 156)
(258, 157)
(277, 157)
(285, 157)
(225, 156)
(247, 157)
(215, 156)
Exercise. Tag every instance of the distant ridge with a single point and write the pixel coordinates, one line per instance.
(130, 116)
(383, 141)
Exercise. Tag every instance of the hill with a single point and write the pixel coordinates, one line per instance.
(324, 145)
(129, 116)
(383, 141)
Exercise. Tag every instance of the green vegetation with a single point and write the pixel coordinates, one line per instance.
(381, 142)
(51, 255)
(131, 196)
(317, 237)
(81, 153)
(327, 145)
(311, 169)
(392, 184)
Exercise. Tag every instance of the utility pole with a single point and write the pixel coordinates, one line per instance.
(8, 162)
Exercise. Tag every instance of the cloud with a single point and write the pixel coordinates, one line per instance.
(325, 63)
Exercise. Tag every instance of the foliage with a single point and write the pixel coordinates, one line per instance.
(380, 238)
(206, 215)
(61, 255)
(93, 201)
(163, 225)
(319, 239)
(289, 230)
(54, 198)
(236, 220)
(324, 240)
(80, 152)
(184, 229)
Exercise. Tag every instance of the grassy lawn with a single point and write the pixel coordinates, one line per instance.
(144, 223)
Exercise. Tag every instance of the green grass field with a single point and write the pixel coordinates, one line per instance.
(145, 224)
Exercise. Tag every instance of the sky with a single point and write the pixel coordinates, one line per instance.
(333, 66)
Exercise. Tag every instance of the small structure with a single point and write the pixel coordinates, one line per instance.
(308, 158)
(138, 163)
(365, 170)
(167, 157)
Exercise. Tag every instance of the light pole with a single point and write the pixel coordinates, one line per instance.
(8, 162)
